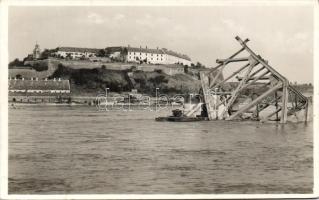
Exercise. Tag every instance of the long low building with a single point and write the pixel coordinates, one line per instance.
(35, 86)
(152, 56)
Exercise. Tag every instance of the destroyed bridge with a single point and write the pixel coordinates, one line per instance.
(253, 90)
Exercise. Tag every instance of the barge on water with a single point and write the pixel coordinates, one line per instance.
(178, 116)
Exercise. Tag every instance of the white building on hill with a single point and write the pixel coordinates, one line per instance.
(76, 52)
(152, 56)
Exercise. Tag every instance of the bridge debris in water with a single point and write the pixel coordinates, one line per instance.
(252, 91)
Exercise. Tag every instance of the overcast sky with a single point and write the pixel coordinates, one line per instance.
(283, 35)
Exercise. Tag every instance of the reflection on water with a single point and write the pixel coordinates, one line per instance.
(56, 150)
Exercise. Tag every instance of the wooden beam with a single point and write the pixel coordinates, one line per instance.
(226, 61)
(257, 71)
(217, 75)
(252, 76)
(271, 114)
(306, 112)
(296, 99)
(254, 80)
(233, 74)
(254, 102)
(297, 92)
(276, 104)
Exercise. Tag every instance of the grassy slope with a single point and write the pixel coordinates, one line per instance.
(92, 81)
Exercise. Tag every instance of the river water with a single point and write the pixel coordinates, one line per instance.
(79, 150)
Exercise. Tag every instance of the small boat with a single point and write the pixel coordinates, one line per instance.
(180, 119)
(178, 116)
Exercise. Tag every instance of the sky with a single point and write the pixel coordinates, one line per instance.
(283, 35)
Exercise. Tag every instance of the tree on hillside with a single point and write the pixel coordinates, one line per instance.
(158, 80)
(15, 62)
(199, 65)
(29, 57)
(40, 67)
(123, 54)
(101, 53)
(68, 56)
(18, 76)
(47, 53)
(107, 52)
(185, 69)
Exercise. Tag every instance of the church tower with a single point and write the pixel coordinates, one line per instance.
(36, 52)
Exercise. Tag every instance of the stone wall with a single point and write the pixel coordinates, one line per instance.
(53, 63)
(170, 70)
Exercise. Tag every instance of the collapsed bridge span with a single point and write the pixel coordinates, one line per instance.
(254, 90)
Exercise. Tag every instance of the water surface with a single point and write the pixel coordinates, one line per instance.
(75, 150)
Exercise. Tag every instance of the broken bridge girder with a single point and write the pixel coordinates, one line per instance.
(228, 94)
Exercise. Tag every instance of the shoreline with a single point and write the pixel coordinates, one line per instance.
(10, 104)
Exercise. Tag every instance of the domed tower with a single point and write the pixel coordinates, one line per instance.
(36, 52)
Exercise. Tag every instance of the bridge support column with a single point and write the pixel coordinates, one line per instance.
(283, 118)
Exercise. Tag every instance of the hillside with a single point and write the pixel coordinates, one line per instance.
(92, 81)
(89, 78)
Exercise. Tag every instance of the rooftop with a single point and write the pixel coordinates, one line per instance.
(78, 49)
(173, 53)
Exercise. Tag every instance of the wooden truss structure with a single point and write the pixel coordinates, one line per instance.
(259, 92)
